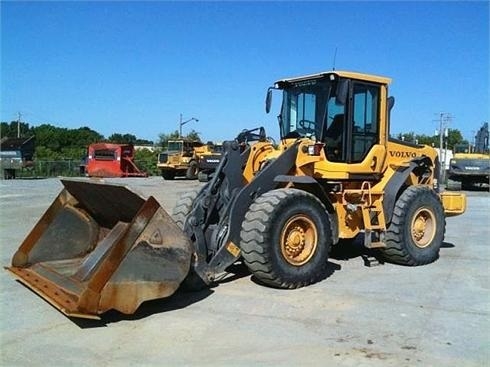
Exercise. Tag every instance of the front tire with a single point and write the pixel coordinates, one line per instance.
(203, 176)
(183, 207)
(168, 174)
(192, 170)
(286, 238)
(417, 228)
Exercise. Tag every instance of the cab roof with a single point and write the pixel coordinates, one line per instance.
(344, 74)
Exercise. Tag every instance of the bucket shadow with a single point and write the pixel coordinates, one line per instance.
(177, 301)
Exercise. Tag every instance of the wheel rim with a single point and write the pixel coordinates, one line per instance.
(423, 227)
(299, 239)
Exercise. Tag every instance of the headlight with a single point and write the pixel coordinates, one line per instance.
(315, 149)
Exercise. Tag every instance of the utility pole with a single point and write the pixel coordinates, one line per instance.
(444, 119)
(18, 124)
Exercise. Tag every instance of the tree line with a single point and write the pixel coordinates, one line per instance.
(59, 143)
(454, 137)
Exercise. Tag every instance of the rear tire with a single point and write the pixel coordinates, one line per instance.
(466, 185)
(203, 177)
(192, 170)
(168, 175)
(286, 238)
(417, 228)
(9, 174)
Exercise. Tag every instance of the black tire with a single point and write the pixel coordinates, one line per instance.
(192, 170)
(203, 177)
(183, 207)
(192, 282)
(9, 174)
(453, 185)
(273, 221)
(417, 228)
(466, 185)
(168, 174)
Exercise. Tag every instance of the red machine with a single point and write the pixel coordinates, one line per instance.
(112, 160)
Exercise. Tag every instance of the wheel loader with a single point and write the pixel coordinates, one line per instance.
(335, 174)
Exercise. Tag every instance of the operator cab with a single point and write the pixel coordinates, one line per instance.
(340, 109)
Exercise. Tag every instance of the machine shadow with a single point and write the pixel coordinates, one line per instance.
(345, 250)
(354, 248)
(330, 269)
(447, 245)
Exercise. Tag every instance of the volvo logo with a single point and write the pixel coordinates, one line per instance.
(399, 154)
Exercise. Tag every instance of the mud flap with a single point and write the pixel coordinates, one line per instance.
(100, 247)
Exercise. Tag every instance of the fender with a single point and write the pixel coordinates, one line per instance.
(396, 182)
(311, 185)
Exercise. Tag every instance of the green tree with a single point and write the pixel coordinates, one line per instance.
(61, 143)
(193, 135)
(143, 142)
(163, 138)
(122, 138)
(454, 137)
(146, 160)
(9, 130)
(84, 136)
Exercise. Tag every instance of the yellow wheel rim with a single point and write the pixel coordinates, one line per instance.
(423, 227)
(299, 239)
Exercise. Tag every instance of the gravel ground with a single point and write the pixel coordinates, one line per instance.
(388, 315)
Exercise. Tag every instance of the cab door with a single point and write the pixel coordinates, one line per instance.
(354, 136)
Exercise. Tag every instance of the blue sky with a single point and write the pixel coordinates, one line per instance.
(132, 67)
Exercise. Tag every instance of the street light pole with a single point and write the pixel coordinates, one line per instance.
(181, 123)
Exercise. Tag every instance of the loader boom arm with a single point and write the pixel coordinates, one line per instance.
(214, 223)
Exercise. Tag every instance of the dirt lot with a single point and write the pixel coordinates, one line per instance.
(434, 315)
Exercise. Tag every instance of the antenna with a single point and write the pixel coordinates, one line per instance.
(334, 58)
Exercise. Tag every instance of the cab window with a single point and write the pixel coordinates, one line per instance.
(365, 120)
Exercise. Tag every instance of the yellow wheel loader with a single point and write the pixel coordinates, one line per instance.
(336, 174)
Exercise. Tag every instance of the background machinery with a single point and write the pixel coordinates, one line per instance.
(335, 174)
(209, 160)
(112, 160)
(181, 159)
(15, 154)
(471, 165)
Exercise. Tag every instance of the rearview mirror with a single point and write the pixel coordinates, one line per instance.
(268, 101)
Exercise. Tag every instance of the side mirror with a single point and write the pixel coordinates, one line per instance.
(342, 92)
(268, 101)
(391, 103)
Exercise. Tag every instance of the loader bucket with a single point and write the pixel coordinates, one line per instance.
(100, 247)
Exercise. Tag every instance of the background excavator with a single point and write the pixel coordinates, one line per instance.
(336, 174)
